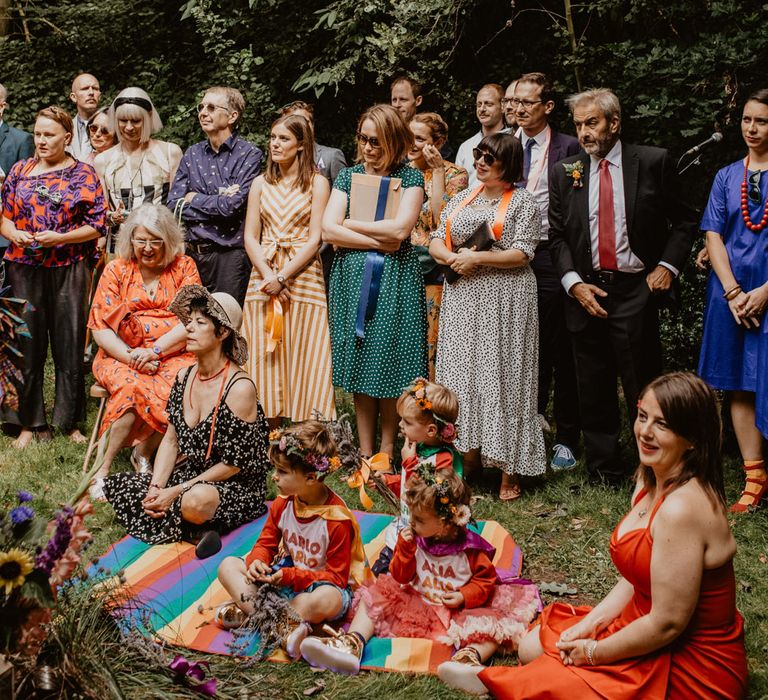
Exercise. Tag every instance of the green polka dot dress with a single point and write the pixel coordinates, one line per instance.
(394, 350)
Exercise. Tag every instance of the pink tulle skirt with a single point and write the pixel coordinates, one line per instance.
(399, 611)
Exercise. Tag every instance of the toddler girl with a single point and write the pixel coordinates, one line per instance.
(309, 524)
(428, 414)
(441, 586)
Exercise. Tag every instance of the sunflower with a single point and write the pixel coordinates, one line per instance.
(15, 566)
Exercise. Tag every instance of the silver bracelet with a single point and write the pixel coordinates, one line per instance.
(589, 651)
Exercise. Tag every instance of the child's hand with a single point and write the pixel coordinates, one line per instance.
(453, 599)
(259, 572)
(407, 533)
(275, 578)
(408, 449)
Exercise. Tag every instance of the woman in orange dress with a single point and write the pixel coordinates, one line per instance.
(669, 628)
(141, 343)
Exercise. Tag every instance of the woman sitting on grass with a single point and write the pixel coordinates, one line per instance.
(669, 628)
(211, 467)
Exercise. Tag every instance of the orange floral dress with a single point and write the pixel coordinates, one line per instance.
(456, 180)
(130, 390)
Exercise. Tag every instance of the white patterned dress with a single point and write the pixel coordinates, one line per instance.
(489, 337)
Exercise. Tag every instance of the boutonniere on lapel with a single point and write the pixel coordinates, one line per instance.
(575, 171)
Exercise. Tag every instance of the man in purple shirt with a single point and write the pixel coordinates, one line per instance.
(210, 193)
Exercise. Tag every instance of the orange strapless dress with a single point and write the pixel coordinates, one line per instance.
(707, 661)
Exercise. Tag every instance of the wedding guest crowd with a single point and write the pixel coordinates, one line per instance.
(605, 243)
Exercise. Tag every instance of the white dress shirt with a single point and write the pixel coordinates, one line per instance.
(626, 260)
(540, 188)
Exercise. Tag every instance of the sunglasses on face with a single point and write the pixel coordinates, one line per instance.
(154, 243)
(94, 129)
(209, 107)
(754, 193)
(371, 141)
(483, 156)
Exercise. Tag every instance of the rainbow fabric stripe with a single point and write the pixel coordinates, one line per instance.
(170, 586)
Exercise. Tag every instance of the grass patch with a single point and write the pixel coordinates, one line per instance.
(562, 524)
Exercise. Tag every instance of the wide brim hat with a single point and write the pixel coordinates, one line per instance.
(219, 305)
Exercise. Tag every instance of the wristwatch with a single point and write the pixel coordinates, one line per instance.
(281, 279)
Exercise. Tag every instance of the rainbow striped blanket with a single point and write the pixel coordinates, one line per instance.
(174, 594)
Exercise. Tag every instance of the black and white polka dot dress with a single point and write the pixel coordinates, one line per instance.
(487, 350)
(236, 443)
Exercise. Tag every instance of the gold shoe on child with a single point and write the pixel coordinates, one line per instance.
(340, 653)
(462, 672)
(292, 641)
(229, 616)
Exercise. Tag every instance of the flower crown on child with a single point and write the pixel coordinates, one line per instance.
(445, 506)
(418, 390)
(289, 444)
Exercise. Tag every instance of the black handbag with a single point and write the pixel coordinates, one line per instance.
(482, 238)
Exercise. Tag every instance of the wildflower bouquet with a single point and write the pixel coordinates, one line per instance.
(36, 556)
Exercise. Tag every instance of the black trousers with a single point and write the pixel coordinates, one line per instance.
(624, 346)
(224, 270)
(555, 352)
(57, 298)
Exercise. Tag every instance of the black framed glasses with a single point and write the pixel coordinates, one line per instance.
(753, 192)
(527, 105)
(43, 192)
(488, 158)
(209, 107)
(153, 243)
(371, 141)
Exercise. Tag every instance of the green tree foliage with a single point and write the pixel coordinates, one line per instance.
(681, 69)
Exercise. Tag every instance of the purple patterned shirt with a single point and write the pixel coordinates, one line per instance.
(60, 200)
(213, 216)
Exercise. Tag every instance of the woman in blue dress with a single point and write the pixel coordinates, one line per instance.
(378, 346)
(734, 351)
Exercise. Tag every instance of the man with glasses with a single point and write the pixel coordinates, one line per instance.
(489, 114)
(86, 95)
(210, 193)
(620, 231)
(531, 104)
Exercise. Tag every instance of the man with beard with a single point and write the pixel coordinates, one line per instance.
(85, 94)
(620, 231)
(488, 110)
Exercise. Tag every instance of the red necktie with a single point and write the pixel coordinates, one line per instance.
(606, 228)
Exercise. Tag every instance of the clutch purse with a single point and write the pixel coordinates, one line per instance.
(482, 238)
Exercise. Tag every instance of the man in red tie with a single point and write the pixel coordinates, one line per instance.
(620, 233)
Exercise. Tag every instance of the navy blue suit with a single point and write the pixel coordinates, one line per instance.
(15, 145)
(555, 351)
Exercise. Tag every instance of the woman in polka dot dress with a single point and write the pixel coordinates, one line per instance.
(489, 329)
(392, 349)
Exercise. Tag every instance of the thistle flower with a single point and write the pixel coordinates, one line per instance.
(24, 496)
(20, 514)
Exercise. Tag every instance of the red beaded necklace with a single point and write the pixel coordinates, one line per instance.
(755, 228)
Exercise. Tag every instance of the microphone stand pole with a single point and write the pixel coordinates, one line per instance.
(695, 161)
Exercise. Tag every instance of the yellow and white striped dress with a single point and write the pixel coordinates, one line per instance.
(294, 377)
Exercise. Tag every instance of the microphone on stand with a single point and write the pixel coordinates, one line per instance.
(715, 138)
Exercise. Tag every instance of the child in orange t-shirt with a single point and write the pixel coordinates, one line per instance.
(441, 585)
(312, 526)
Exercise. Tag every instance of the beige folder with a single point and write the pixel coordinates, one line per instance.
(365, 197)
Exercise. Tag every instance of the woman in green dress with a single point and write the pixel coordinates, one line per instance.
(378, 344)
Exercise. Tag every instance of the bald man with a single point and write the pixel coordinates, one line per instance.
(86, 94)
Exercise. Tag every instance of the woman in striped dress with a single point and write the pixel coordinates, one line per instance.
(285, 317)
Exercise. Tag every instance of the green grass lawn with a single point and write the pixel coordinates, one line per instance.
(562, 524)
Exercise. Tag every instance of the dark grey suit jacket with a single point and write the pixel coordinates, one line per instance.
(329, 161)
(15, 145)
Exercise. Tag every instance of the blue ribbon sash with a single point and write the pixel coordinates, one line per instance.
(374, 266)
